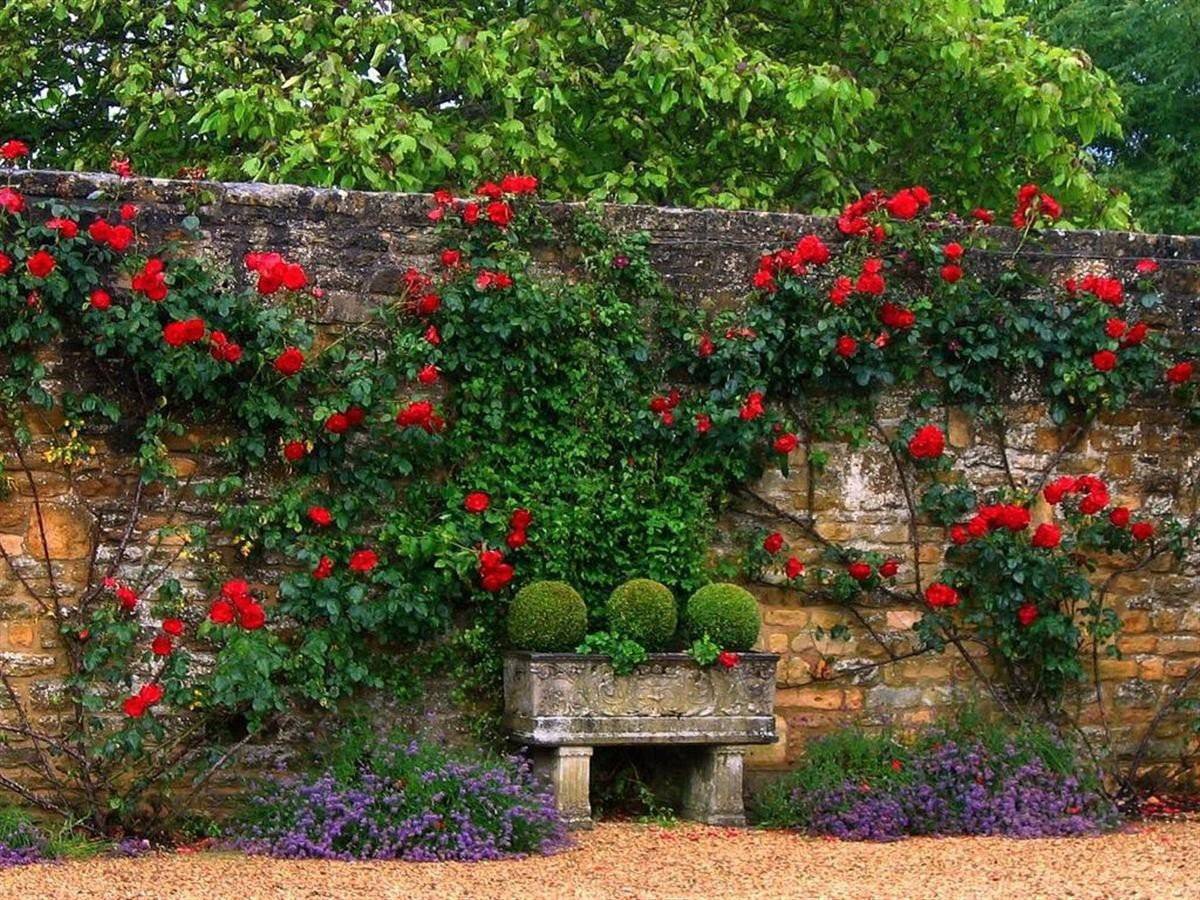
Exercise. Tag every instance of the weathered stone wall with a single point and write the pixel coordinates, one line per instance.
(355, 245)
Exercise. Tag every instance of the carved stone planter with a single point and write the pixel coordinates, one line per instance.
(563, 704)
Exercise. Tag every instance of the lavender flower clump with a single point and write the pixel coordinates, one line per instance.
(863, 787)
(410, 802)
(21, 842)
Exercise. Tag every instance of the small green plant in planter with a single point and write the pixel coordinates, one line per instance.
(724, 613)
(644, 611)
(547, 617)
(625, 653)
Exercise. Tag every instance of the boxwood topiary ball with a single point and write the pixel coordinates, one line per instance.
(644, 611)
(728, 614)
(548, 617)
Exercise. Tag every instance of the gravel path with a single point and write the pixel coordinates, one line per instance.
(620, 860)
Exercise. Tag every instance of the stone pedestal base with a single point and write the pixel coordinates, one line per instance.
(714, 787)
(568, 771)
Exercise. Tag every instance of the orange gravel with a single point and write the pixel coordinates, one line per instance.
(621, 860)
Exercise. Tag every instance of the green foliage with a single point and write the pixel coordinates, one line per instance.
(624, 653)
(1148, 47)
(769, 104)
(644, 611)
(725, 613)
(704, 650)
(547, 616)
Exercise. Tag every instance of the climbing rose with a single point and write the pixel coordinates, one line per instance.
(521, 518)
(251, 615)
(941, 596)
(67, 228)
(499, 214)
(841, 290)
(927, 443)
(870, 281)
(177, 334)
(14, 149)
(703, 423)
(428, 374)
(1142, 531)
(477, 502)
(1119, 516)
(903, 205)
(320, 516)
(519, 184)
(494, 572)
(419, 414)
(889, 568)
(128, 212)
(959, 534)
(134, 707)
(337, 423)
(984, 216)
(451, 257)
(173, 627)
(516, 539)
(705, 347)
(773, 542)
(1180, 373)
(5, 263)
(898, 317)
(1047, 536)
(793, 568)
(151, 281)
(100, 299)
(294, 451)
(221, 612)
(859, 571)
(785, 443)
(126, 598)
(846, 346)
(728, 659)
(324, 568)
(753, 407)
(40, 264)
(11, 201)
(1027, 614)
(363, 560)
(117, 237)
(161, 645)
(953, 250)
(951, 273)
(1104, 360)
(1146, 267)
(289, 362)
(1135, 335)
(275, 272)
(1059, 488)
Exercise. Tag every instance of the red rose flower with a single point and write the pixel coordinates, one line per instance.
(320, 516)
(793, 568)
(951, 273)
(1047, 536)
(785, 443)
(846, 346)
(897, 317)
(161, 645)
(499, 213)
(1119, 516)
(1059, 488)
(841, 290)
(494, 572)
(889, 568)
(870, 280)
(1114, 328)
(11, 201)
(67, 228)
(251, 615)
(1027, 614)
(451, 258)
(953, 250)
(428, 374)
(324, 569)
(150, 693)
(927, 442)
(1094, 502)
(173, 627)
(728, 659)
(337, 423)
(128, 212)
(477, 502)
(903, 205)
(520, 519)
(941, 596)
(1135, 335)
(419, 414)
(1104, 360)
(294, 451)
(134, 707)
(859, 571)
(289, 362)
(151, 281)
(221, 612)
(40, 264)
(1180, 373)
(127, 598)
(100, 299)
(706, 347)
(355, 415)
(5, 263)
(703, 423)
(1146, 267)
(363, 560)
(1142, 531)
(984, 216)
(773, 542)
(13, 149)
(516, 539)
(959, 534)
(752, 408)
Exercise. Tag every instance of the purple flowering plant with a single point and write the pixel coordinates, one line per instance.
(404, 799)
(968, 777)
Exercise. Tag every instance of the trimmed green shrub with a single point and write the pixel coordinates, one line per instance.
(547, 616)
(644, 611)
(728, 614)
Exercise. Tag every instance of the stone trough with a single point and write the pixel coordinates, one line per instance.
(561, 705)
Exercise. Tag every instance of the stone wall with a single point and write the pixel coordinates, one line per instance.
(355, 245)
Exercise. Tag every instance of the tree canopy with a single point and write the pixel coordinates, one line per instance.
(1152, 49)
(767, 103)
